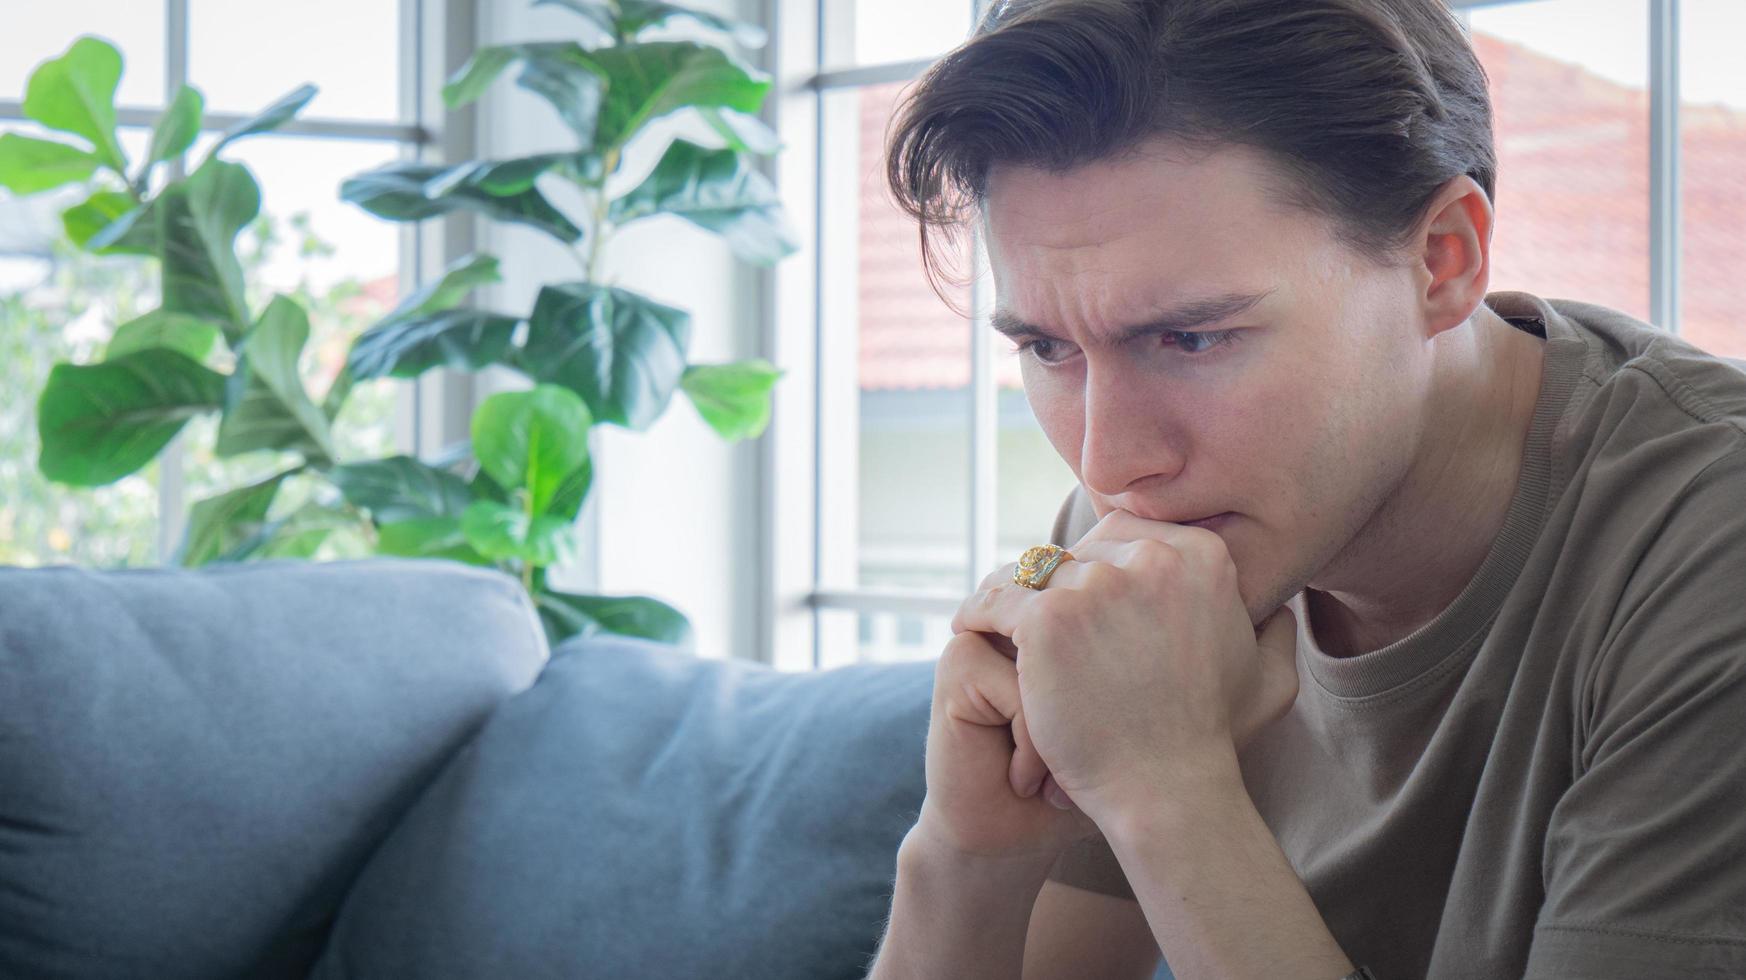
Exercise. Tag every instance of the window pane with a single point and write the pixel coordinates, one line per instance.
(895, 457)
(243, 56)
(847, 637)
(871, 32)
(136, 27)
(59, 304)
(1572, 121)
(1032, 479)
(1712, 89)
(342, 265)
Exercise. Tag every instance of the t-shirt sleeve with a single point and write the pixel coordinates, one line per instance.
(1645, 854)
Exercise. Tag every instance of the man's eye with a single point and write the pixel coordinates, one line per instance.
(1199, 343)
(1046, 351)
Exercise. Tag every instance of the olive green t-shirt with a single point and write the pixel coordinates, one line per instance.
(1549, 779)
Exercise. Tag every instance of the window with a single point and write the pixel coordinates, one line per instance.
(346, 266)
(1621, 134)
(911, 466)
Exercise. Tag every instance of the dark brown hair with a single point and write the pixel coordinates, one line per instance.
(1367, 107)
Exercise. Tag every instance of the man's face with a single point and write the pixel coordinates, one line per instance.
(1295, 415)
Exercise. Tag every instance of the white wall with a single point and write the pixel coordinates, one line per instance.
(672, 510)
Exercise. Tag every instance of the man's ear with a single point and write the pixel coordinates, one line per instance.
(1454, 254)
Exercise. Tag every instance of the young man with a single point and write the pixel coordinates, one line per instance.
(1402, 626)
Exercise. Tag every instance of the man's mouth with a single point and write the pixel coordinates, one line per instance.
(1212, 523)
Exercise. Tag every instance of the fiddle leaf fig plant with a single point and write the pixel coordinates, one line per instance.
(592, 353)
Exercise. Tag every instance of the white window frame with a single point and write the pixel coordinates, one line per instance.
(797, 462)
(435, 37)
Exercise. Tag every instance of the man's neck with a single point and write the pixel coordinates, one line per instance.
(1426, 542)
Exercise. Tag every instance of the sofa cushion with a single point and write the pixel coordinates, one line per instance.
(643, 813)
(195, 764)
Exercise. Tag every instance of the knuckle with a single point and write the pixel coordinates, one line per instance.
(1156, 557)
(1058, 607)
(999, 576)
(1205, 547)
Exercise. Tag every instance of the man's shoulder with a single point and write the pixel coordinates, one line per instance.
(1626, 356)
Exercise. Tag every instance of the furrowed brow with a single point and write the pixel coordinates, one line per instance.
(1187, 316)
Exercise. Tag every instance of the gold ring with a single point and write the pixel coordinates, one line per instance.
(1037, 564)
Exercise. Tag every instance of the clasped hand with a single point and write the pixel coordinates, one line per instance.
(1136, 664)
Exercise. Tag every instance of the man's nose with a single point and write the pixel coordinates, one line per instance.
(1129, 437)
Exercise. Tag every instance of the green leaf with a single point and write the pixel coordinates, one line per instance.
(449, 289)
(197, 221)
(733, 398)
(75, 93)
(428, 537)
(466, 340)
(401, 488)
(648, 81)
(565, 616)
(105, 210)
(219, 526)
(567, 499)
(267, 120)
(637, 16)
(502, 178)
(743, 132)
(397, 192)
(299, 534)
(179, 332)
(532, 439)
(337, 393)
(503, 533)
(623, 353)
(100, 422)
(476, 75)
(266, 406)
(715, 190)
(29, 165)
(178, 126)
(560, 72)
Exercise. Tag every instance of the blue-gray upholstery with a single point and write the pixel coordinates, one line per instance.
(195, 764)
(643, 813)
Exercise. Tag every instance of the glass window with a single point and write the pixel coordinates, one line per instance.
(57, 304)
(243, 56)
(905, 353)
(1712, 88)
(1572, 130)
(1031, 480)
(48, 29)
(864, 32)
(885, 637)
(60, 304)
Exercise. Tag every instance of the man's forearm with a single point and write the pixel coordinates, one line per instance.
(954, 918)
(1221, 897)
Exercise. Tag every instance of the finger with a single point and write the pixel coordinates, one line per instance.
(988, 680)
(1053, 792)
(999, 610)
(1028, 770)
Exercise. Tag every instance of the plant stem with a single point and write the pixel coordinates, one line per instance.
(597, 234)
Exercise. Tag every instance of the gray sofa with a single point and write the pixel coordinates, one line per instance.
(373, 769)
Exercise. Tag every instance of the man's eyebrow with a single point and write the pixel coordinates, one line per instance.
(1186, 316)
